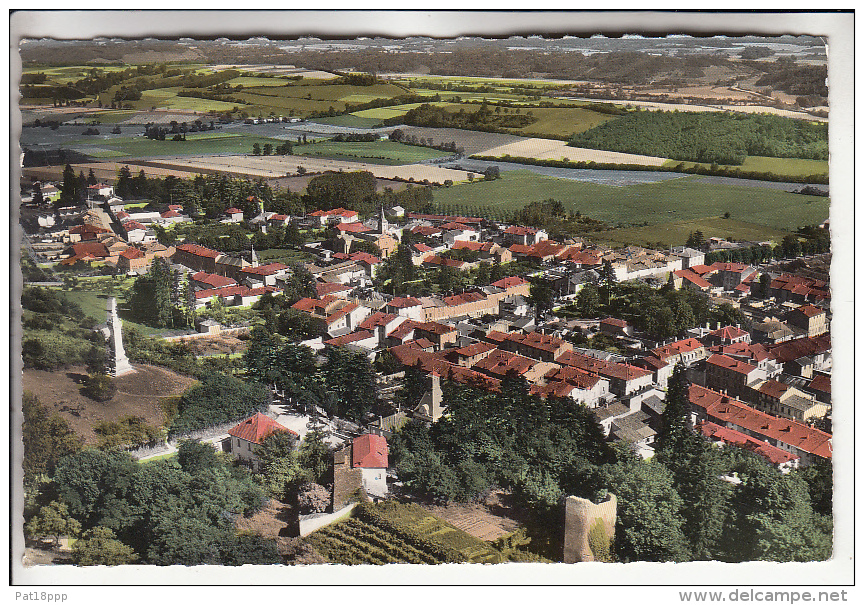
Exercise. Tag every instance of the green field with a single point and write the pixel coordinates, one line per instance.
(382, 113)
(378, 152)
(284, 256)
(167, 98)
(563, 121)
(781, 166)
(93, 302)
(195, 144)
(680, 201)
(671, 234)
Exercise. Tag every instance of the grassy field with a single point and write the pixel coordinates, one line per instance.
(284, 256)
(349, 120)
(780, 166)
(672, 234)
(679, 201)
(195, 144)
(167, 97)
(378, 152)
(557, 121)
(382, 113)
(92, 295)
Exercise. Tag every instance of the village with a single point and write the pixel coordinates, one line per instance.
(761, 384)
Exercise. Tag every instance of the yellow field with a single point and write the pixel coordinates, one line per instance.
(546, 149)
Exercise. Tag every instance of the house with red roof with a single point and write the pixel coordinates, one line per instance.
(132, 259)
(360, 466)
(196, 257)
(785, 401)
(820, 386)
(86, 232)
(727, 335)
(616, 327)
(340, 316)
(245, 438)
(335, 289)
(526, 236)
(798, 439)
(801, 290)
(784, 461)
(582, 387)
(687, 351)
(512, 286)
(544, 347)
(810, 319)
(86, 251)
(803, 356)
(264, 275)
(208, 281)
(439, 261)
(687, 278)
(406, 306)
(332, 217)
(625, 380)
(730, 375)
(731, 275)
(235, 215)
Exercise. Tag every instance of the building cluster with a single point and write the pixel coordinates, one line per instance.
(763, 387)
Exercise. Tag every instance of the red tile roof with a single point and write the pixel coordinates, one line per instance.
(478, 348)
(501, 363)
(620, 371)
(197, 250)
(774, 455)
(574, 376)
(809, 310)
(369, 451)
(268, 269)
(325, 288)
(461, 299)
(353, 228)
(798, 348)
(773, 389)
(729, 333)
(821, 383)
(378, 319)
(613, 321)
(516, 230)
(727, 410)
(509, 282)
(433, 327)
(170, 214)
(257, 428)
(365, 257)
(677, 348)
(536, 340)
(213, 280)
(95, 249)
(132, 253)
(444, 262)
(735, 365)
(404, 302)
(88, 229)
(444, 218)
(422, 248)
(133, 226)
(456, 227)
(693, 278)
(474, 246)
(349, 338)
(233, 210)
(425, 230)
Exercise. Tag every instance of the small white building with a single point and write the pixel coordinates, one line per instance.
(369, 454)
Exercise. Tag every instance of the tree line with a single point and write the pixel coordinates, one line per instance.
(712, 137)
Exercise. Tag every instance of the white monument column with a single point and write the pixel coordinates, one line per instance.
(118, 363)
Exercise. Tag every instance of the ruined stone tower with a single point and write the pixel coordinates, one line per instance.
(118, 363)
(589, 528)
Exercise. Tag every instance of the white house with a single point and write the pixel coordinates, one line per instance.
(246, 437)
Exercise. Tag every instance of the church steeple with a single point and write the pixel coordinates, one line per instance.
(383, 225)
(254, 257)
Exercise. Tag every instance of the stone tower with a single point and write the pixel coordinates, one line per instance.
(118, 363)
(589, 528)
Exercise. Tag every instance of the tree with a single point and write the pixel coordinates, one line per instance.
(268, 149)
(91, 178)
(281, 474)
(314, 456)
(70, 192)
(195, 457)
(351, 384)
(52, 521)
(541, 295)
(217, 399)
(99, 546)
(256, 149)
(100, 387)
(47, 438)
(695, 468)
(649, 526)
(313, 498)
(588, 301)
